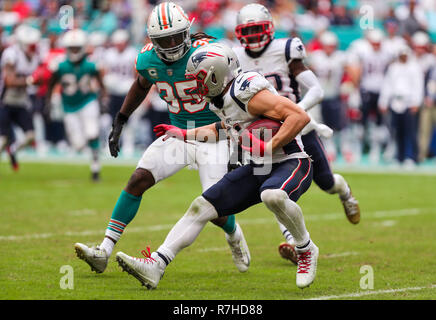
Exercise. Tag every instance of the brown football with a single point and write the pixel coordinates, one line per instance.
(258, 128)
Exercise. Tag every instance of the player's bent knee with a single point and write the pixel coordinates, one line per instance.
(273, 198)
(139, 182)
(202, 209)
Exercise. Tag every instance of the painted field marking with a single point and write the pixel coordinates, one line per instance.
(372, 292)
(315, 217)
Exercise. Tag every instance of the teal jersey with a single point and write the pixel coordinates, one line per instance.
(174, 88)
(75, 80)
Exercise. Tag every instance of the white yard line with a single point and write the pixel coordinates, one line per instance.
(246, 221)
(372, 292)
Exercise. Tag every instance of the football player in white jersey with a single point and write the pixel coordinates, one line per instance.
(18, 62)
(369, 63)
(119, 76)
(239, 99)
(329, 65)
(281, 62)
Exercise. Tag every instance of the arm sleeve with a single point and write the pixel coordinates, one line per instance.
(314, 93)
(417, 93)
(385, 92)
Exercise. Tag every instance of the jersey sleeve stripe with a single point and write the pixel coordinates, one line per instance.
(288, 50)
(232, 94)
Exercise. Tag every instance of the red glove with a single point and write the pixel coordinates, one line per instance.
(170, 131)
(258, 147)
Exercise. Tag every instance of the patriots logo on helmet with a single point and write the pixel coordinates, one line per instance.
(199, 57)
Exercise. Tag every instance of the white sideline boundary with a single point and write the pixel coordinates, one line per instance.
(106, 160)
(160, 227)
(373, 292)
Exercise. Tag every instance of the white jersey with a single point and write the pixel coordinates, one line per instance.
(236, 118)
(373, 65)
(273, 64)
(13, 55)
(329, 70)
(120, 72)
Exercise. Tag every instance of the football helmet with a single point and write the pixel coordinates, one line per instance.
(75, 41)
(255, 27)
(27, 38)
(328, 38)
(213, 66)
(169, 30)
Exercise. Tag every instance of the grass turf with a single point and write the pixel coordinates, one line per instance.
(46, 208)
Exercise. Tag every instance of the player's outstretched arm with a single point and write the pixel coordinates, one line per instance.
(307, 79)
(137, 93)
(272, 106)
(207, 133)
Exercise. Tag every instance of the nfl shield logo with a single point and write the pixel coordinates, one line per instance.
(170, 72)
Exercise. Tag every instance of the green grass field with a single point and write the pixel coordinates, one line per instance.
(46, 208)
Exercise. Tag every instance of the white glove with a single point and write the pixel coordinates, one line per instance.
(321, 129)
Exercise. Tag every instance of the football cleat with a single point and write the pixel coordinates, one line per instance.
(287, 251)
(13, 159)
(148, 271)
(352, 210)
(96, 257)
(240, 252)
(306, 261)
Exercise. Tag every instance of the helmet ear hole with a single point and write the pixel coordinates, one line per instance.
(213, 78)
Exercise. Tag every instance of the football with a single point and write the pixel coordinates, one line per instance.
(258, 128)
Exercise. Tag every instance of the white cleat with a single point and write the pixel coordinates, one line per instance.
(306, 261)
(240, 252)
(147, 271)
(96, 258)
(352, 209)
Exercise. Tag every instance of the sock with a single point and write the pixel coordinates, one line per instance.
(95, 164)
(230, 226)
(125, 210)
(340, 187)
(288, 213)
(186, 230)
(107, 245)
(288, 236)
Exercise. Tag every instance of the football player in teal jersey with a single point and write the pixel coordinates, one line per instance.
(163, 63)
(79, 101)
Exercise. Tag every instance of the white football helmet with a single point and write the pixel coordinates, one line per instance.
(169, 30)
(328, 38)
(120, 36)
(27, 38)
(213, 66)
(254, 27)
(75, 41)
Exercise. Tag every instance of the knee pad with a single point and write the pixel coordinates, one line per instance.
(274, 198)
(202, 209)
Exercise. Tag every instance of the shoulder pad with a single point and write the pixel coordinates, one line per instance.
(295, 49)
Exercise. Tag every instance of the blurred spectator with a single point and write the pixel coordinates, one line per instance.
(427, 119)
(341, 16)
(312, 20)
(402, 94)
(412, 18)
